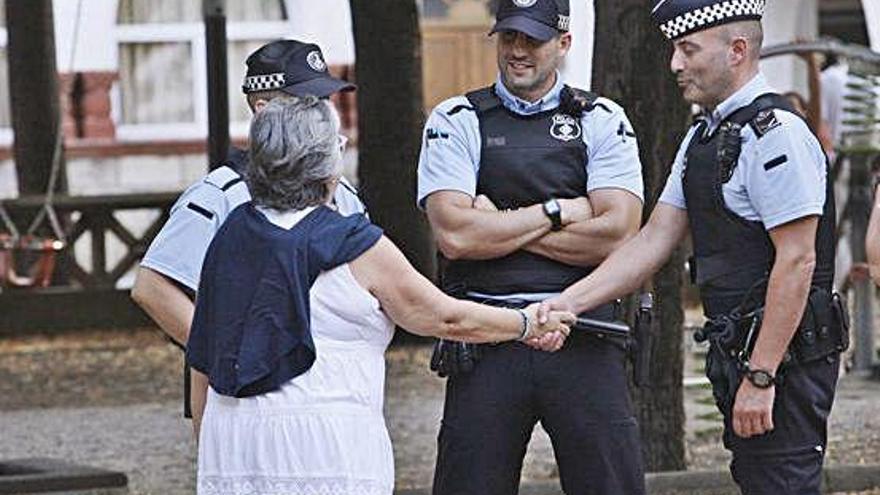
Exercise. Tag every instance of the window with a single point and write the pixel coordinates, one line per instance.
(162, 88)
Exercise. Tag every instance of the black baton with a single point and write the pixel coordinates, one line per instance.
(609, 328)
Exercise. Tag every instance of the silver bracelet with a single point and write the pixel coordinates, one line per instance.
(525, 324)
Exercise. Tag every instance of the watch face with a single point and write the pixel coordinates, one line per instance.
(761, 379)
(552, 207)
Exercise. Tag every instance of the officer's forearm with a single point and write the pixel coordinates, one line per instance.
(477, 234)
(629, 266)
(166, 304)
(585, 243)
(787, 290)
(198, 398)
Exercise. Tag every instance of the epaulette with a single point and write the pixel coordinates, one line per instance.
(223, 178)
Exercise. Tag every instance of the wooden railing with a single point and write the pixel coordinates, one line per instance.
(96, 215)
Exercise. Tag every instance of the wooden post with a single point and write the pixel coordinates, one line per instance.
(218, 91)
(33, 89)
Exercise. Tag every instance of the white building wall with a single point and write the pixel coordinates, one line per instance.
(96, 48)
(786, 21)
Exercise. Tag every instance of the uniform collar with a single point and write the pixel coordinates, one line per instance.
(742, 97)
(516, 104)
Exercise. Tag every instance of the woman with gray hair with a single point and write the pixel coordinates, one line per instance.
(295, 309)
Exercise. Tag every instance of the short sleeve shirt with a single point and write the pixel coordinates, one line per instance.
(451, 143)
(780, 177)
(178, 251)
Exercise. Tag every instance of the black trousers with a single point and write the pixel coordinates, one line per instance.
(580, 396)
(787, 460)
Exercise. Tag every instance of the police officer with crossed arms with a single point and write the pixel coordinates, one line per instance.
(527, 185)
(168, 276)
(750, 184)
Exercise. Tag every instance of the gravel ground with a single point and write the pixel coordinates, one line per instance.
(112, 400)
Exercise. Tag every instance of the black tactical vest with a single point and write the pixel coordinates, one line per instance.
(732, 255)
(524, 160)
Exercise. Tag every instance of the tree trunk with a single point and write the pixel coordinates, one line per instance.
(631, 66)
(33, 87)
(390, 118)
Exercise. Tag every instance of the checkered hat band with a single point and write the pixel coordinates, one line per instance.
(711, 15)
(263, 82)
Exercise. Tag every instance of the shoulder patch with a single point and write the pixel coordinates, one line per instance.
(764, 122)
(223, 178)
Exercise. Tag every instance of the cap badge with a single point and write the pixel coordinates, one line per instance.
(565, 127)
(524, 3)
(315, 61)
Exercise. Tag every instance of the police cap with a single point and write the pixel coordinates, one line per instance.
(678, 18)
(293, 67)
(540, 19)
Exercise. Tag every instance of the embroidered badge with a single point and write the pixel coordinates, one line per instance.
(764, 122)
(565, 127)
(315, 61)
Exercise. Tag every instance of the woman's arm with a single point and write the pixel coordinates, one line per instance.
(415, 304)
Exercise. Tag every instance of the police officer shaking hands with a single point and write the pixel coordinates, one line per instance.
(528, 184)
(749, 184)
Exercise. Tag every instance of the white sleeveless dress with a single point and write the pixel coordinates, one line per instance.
(323, 432)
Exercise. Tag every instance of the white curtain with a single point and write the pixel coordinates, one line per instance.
(156, 83)
(5, 118)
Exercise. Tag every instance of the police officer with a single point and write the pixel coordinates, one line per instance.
(169, 273)
(749, 183)
(527, 184)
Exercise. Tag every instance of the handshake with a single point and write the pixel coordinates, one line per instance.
(546, 329)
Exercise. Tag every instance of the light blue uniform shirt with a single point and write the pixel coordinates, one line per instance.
(453, 162)
(179, 249)
(773, 195)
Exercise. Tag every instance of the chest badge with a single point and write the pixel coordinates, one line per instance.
(565, 127)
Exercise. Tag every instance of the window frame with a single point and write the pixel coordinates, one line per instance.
(192, 33)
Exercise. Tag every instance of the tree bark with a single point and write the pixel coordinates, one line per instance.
(33, 89)
(631, 66)
(390, 118)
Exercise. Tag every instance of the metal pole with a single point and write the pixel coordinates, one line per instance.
(218, 92)
(863, 290)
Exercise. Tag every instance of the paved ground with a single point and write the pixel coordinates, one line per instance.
(112, 400)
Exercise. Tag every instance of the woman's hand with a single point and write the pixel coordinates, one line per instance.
(549, 335)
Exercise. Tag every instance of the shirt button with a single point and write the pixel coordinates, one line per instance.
(236, 366)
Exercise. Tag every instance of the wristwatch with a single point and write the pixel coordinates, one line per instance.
(760, 378)
(554, 213)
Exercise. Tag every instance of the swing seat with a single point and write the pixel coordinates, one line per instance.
(39, 274)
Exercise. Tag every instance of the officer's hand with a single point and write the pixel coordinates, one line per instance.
(557, 303)
(753, 410)
(555, 326)
(575, 210)
(550, 342)
(482, 202)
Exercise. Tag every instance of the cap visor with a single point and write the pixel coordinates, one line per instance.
(525, 25)
(321, 87)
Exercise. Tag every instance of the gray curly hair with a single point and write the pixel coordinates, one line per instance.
(294, 153)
